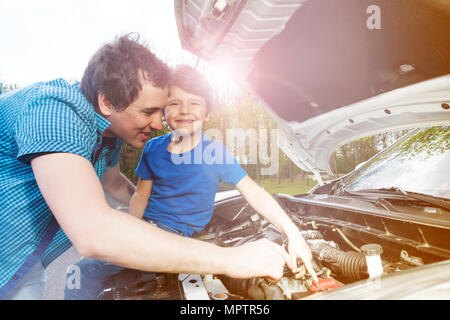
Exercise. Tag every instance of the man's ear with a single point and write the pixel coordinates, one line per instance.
(104, 105)
(164, 111)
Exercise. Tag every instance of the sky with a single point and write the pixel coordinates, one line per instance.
(41, 40)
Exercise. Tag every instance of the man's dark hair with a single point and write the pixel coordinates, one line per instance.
(191, 80)
(117, 70)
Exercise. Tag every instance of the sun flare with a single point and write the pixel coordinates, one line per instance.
(221, 79)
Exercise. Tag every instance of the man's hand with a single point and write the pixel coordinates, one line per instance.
(298, 248)
(265, 205)
(262, 258)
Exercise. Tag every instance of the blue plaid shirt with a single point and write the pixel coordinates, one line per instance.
(42, 118)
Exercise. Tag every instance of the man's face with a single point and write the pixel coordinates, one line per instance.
(134, 124)
(185, 111)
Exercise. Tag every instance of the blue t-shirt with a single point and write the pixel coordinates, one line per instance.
(185, 185)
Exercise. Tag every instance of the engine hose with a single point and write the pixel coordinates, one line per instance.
(341, 233)
(236, 286)
(352, 265)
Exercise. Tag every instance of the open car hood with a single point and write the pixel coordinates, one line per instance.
(329, 71)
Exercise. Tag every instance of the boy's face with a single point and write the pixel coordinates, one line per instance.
(134, 124)
(185, 111)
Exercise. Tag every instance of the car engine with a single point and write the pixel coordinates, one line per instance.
(344, 245)
(334, 266)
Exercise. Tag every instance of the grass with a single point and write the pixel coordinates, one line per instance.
(298, 186)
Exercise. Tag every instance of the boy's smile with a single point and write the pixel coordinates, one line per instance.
(185, 111)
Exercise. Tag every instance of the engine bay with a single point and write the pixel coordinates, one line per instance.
(342, 242)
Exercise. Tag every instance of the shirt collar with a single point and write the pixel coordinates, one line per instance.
(102, 123)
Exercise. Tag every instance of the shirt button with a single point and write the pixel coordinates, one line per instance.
(15, 277)
(35, 253)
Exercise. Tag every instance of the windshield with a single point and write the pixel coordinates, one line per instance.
(419, 163)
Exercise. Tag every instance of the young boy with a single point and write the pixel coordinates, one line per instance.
(178, 178)
(180, 172)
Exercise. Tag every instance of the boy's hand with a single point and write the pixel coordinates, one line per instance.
(298, 247)
(264, 204)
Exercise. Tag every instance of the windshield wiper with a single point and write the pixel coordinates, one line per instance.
(435, 201)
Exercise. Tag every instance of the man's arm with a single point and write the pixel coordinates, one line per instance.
(74, 194)
(266, 205)
(117, 185)
(140, 198)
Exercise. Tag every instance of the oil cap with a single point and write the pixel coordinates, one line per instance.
(372, 249)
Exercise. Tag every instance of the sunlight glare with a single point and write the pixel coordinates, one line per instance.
(220, 78)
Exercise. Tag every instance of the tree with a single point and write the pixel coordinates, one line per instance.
(240, 117)
(348, 156)
(4, 87)
(129, 156)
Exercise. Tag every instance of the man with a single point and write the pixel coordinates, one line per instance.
(59, 141)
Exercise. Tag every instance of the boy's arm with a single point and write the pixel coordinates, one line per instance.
(266, 205)
(117, 185)
(140, 198)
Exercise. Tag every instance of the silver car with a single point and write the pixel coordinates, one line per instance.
(330, 72)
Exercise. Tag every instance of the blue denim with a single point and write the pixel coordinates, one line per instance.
(94, 273)
(163, 226)
(31, 287)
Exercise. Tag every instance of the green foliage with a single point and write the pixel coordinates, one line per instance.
(238, 110)
(297, 186)
(348, 156)
(129, 156)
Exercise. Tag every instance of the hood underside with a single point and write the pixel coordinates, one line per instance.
(329, 71)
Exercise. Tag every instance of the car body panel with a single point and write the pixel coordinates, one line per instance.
(430, 282)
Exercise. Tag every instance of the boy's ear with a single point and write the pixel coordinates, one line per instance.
(208, 114)
(104, 105)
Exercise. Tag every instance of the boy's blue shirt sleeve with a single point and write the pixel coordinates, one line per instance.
(50, 125)
(143, 169)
